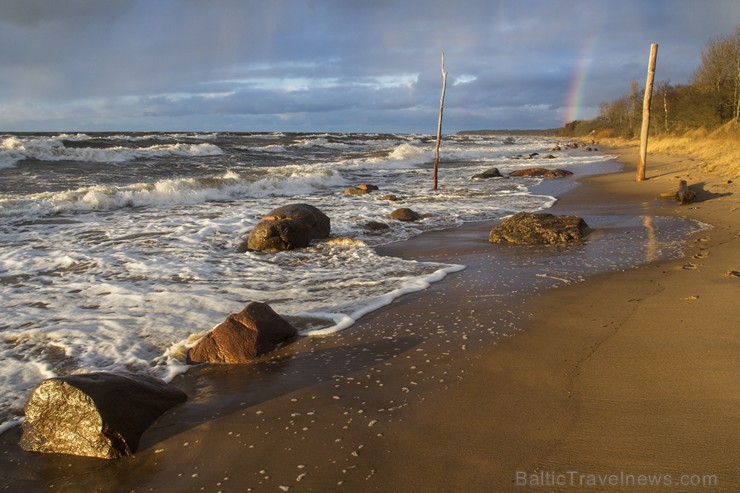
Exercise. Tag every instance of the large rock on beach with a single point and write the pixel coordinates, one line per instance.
(243, 336)
(541, 173)
(405, 214)
(489, 173)
(526, 228)
(288, 227)
(94, 414)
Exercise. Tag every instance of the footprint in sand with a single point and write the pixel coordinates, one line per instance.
(690, 266)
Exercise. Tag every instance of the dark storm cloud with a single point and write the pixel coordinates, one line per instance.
(334, 65)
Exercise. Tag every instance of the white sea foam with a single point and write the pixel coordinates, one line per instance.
(343, 321)
(112, 275)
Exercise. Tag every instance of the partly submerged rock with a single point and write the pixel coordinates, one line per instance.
(538, 228)
(375, 226)
(541, 173)
(288, 227)
(489, 173)
(243, 336)
(94, 414)
(361, 189)
(405, 214)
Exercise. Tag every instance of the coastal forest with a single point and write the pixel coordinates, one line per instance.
(708, 102)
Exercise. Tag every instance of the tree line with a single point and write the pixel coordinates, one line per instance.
(711, 99)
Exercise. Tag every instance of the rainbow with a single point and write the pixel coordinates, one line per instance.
(575, 92)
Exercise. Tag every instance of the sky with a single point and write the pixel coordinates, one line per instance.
(337, 65)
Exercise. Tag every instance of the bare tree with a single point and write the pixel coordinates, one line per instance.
(664, 89)
(719, 74)
(635, 102)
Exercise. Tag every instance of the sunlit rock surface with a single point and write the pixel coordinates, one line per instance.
(94, 414)
(538, 228)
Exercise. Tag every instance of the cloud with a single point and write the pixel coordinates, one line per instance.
(331, 64)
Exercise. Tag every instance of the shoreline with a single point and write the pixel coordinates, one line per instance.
(425, 394)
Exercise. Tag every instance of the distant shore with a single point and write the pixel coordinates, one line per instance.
(627, 374)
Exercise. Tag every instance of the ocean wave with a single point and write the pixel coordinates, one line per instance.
(162, 136)
(409, 154)
(342, 321)
(180, 191)
(14, 149)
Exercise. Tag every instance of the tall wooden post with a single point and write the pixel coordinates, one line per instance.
(646, 112)
(439, 122)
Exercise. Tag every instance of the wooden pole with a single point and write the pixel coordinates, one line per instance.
(646, 112)
(439, 122)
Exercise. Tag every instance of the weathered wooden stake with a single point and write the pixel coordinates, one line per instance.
(646, 112)
(439, 122)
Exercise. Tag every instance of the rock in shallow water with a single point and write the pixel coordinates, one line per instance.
(541, 173)
(526, 228)
(405, 214)
(489, 173)
(94, 414)
(288, 227)
(243, 336)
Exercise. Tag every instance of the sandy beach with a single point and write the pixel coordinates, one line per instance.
(624, 380)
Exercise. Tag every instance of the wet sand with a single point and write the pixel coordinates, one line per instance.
(462, 387)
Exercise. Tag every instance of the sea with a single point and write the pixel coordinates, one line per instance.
(118, 250)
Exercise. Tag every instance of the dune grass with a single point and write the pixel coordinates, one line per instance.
(715, 152)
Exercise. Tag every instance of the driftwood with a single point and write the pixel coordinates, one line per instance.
(439, 121)
(684, 195)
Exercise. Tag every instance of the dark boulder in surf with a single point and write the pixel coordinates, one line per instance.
(525, 228)
(375, 226)
(489, 173)
(541, 173)
(94, 414)
(286, 228)
(243, 336)
(405, 214)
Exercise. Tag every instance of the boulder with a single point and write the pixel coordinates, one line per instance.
(527, 228)
(376, 226)
(355, 191)
(405, 214)
(489, 173)
(288, 227)
(541, 173)
(390, 198)
(361, 189)
(243, 336)
(94, 414)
